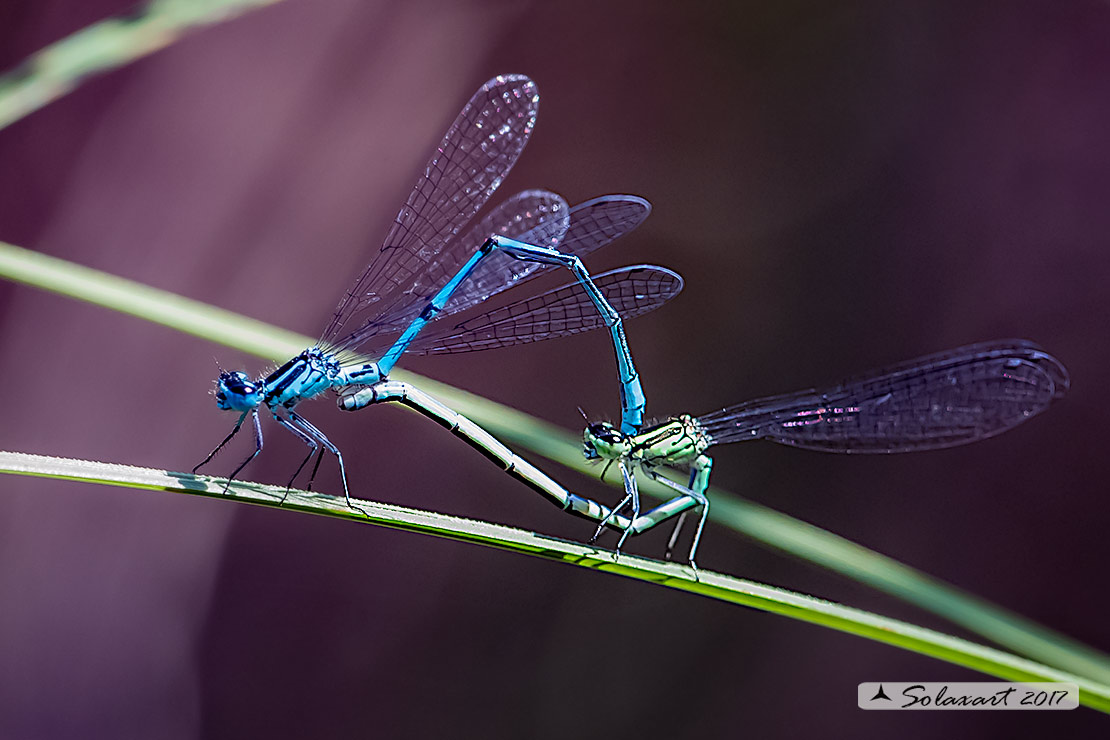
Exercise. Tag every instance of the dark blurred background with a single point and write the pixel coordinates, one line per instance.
(842, 187)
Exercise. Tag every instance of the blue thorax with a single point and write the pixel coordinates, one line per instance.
(307, 375)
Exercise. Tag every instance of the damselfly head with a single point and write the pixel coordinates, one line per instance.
(235, 391)
(603, 440)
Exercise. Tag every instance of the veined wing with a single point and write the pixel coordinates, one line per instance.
(941, 400)
(593, 224)
(538, 213)
(475, 155)
(631, 291)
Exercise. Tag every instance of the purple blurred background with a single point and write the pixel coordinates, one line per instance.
(841, 187)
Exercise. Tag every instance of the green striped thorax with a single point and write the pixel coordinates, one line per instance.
(675, 441)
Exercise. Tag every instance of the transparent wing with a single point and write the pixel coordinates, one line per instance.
(942, 400)
(474, 157)
(534, 212)
(593, 224)
(632, 291)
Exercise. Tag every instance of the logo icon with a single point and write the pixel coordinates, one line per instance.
(880, 694)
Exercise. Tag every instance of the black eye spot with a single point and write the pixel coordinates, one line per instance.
(237, 385)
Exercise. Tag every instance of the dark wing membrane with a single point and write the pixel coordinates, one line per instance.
(593, 224)
(632, 291)
(941, 400)
(579, 230)
(499, 271)
(532, 211)
(474, 157)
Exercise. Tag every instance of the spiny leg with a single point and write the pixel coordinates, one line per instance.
(308, 427)
(682, 517)
(315, 448)
(310, 441)
(612, 513)
(315, 469)
(674, 536)
(634, 491)
(628, 495)
(257, 449)
(699, 483)
(700, 501)
(697, 534)
(220, 446)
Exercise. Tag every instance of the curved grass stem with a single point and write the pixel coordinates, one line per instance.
(113, 42)
(764, 525)
(670, 575)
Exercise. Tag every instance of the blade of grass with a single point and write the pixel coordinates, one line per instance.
(671, 575)
(764, 525)
(113, 42)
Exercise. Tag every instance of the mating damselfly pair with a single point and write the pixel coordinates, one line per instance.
(425, 271)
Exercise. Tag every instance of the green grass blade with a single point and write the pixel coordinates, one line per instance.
(56, 70)
(111, 43)
(147, 303)
(764, 525)
(670, 575)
